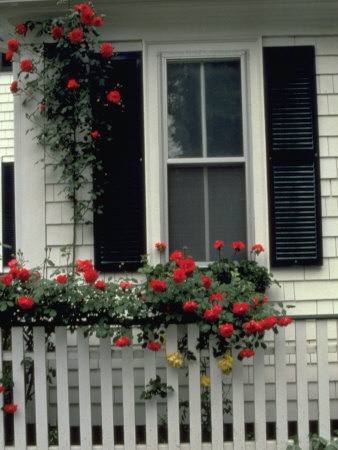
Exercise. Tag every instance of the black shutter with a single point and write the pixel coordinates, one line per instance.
(293, 155)
(8, 212)
(119, 231)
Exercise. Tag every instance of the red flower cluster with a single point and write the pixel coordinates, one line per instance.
(179, 276)
(284, 321)
(206, 281)
(13, 45)
(14, 87)
(97, 22)
(113, 96)
(100, 284)
(25, 302)
(61, 279)
(188, 265)
(7, 279)
(251, 327)
(76, 36)
(212, 314)
(72, 84)
(154, 346)
(217, 296)
(20, 28)
(57, 32)
(238, 246)
(257, 248)
(259, 302)
(158, 286)
(219, 245)
(22, 274)
(10, 409)
(106, 50)
(83, 265)
(94, 134)
(124, 285)
(26, 65)
(240, 308)
(122, 342)
(90, 276)
(161, 246)
(176, 256)
(226, 330)
(246, 353)
(87, 14)
(189, 306)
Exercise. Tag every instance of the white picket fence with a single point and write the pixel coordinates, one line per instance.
(98, 385)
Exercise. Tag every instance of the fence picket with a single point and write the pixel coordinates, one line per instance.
(173, 398)
(62, 387)
(128, 398)
(238, 406)
(19, 388)
(260, 405)
(84, 390)
(194, 390)
(150, 405)
(40, 384)
(302, 384)
(216, 400)
(323, 379)
(106, 378)
(2, 430)
(281, 392)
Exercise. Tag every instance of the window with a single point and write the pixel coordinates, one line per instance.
(206, 154)
(8, 212)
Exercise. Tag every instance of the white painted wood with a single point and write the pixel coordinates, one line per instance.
(62, 387)
(238, 405)
(84, 390)
(128, 398)
(106, 378)
(281, 393)
(302, 384)
(2, 430)
(194, 390)
(216, 400)
(19, 388)
(173, 397)
(323, 379)
(260, 406)
(150, 405)
(40, 384)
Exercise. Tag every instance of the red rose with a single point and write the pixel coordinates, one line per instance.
(23, 274)
(42, 106)
(158, 286)
(106, 50)
(2, 389)
(97, 22)
(284, 321)
(250, 327)
(84, 8)
(94, 134)
(57, 32)
(179, 276)
(176, 256)
(124, 285)
(188, 265)
(113, 96)
(14, 87)
(269, 322)
(100, 284)
(13, 45)
(240, 308)
(238, 246)
(72, 84)
(83, 266)
(246, 353)
(226, 330)
(190, 306)
(20, 29)
(7, 279)
(10, 409)
(161, 246)
(76, 36)
(122, 342)
(257, 248)
(76, 8)
(219, 245)
(90, 276)
(13, 262)
(206, 281)
(9, 55)
(259, 302)
(87, 17)
(25, 302)
(26, 65)
(61, 279)
(212, 314)
(14, 272)
(154, 346)
(217, 296)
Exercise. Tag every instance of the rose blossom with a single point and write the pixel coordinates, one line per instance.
(26, 65)
(10, 409)
(57, 32)
(246, 353)
(238, 246)
(13, 263)
(284, 321)
(176, 256)
(250, 327)
(61, 279)
(106, 50)
(97, 22)
(23, 274)
(257, 248)
(100, 284)
(219, 245)
(216, 296)
(72, 84)
(206, 281)
(161, 246)
(122, 342)
(212, 314)
(90, 276)
(9, 55)
(14, 87)
(76, 36)
(154, 346)
(158, 286)
(113, 96)
(269, 322)
(188, 265)
(20, 28)
(25, 302)
(13, 45)
(240, 308)
(189, 306)
(124, 285)
(83, 265)
(226, 330)
(94, 134)
(179, 276)
(42, 106)
(7, 279)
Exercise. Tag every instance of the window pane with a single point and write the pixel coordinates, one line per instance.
(227, 209)
(186, 211)
(223, 108)
(184, 110)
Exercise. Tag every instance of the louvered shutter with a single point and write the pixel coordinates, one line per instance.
(8, 211)
(119, 232)
(293, 157)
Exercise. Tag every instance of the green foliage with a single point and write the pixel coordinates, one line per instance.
(155, 388)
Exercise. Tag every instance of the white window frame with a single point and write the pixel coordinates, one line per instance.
(155, 105)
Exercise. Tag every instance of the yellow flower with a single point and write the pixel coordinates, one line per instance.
(175, 360)
(226, 363)
(205, 381)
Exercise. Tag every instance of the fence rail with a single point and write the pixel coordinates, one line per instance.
(81, 393)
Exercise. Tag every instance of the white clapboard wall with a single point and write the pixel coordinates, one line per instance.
(93, 397)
